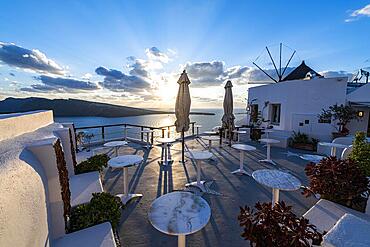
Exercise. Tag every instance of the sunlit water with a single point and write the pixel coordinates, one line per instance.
(158, 120)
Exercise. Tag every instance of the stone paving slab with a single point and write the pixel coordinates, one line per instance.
(153, 180)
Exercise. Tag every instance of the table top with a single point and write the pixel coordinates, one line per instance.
(115, 144)
(211, 138)
(240, 131)
(331, 144)
(210, 132)
(276, 179)
(147, 131)
(350, 230)
(179, 213)
(312, 157)
(165, 140)
(243, 147)
(269, 140)
(199, 155)
(125, 161)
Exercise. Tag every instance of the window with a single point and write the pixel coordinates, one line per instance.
(275, 114)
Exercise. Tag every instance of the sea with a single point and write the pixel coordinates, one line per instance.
(156, 120)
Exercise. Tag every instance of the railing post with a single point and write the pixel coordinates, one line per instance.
(192, 128)
(152, 137)
(162, 133)
(142, 134)
(168, 131)
(102, 133)
(220, 130)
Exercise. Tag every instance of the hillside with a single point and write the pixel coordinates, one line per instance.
(70, 107)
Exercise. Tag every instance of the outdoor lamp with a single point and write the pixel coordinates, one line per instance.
(360, 113)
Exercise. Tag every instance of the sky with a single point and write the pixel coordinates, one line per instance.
(133, 52)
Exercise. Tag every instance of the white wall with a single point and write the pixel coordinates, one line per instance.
(360, 95)
(12, 125)
(301, 100)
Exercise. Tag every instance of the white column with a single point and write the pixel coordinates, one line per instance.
(181, 242)
(275, 196)
(125, 181)
(198, 171)
(241, 160)
(333, 151)
(268, 151)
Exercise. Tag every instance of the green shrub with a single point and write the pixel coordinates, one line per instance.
(302, 138)
(103, 207)
(361, 152)
(94, 163)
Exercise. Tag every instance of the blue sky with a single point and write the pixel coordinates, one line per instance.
(213, 40)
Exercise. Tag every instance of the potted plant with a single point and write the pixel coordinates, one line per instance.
(276, 226)
(102, 207)
(361, 152)
(341, 114)
(301, 141)
(94, 163)
(340, 181)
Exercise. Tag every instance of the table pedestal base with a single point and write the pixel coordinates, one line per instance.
(201, 185)
(268, 161)
(126, 198)
(181, 241)
(241, 172)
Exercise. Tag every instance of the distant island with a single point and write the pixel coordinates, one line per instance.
(75, 107)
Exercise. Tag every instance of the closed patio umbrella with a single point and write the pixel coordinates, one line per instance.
(182, 108)
(228, 117)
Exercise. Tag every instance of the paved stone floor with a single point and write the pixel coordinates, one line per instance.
(223, 229)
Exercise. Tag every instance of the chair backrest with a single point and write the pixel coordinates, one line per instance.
(348, 140)
(346, 152)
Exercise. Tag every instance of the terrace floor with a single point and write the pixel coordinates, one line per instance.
(223, 228)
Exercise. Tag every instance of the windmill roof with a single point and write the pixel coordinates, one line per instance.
(299, 72)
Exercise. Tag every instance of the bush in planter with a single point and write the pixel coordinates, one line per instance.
(361, 152)
(302, 141)
(94, 163)
(277, 226)
(101, 208)
(340, 181)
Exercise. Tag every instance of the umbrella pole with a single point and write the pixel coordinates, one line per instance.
(183, 147)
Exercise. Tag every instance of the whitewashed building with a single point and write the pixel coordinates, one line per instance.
(294, 103)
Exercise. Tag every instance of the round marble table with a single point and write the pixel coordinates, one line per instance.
(277, 180)
(198, 156)
(238, 132)
(242, 148)
(268, 142)
(166, 149)
(197, 126)
(124, 162)
(312, 157)
(116, 145)
(210, 139)
(179, 213)
(333, 146)
(147, 132)
(210, 132)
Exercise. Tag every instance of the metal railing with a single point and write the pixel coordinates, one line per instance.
(101, 133)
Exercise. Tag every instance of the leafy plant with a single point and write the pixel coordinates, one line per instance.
(340, 181)
(83, 138)
(94, 163)
(341, 113)
(103, 207)
(277, 226)
(361, 152)
(302, 138)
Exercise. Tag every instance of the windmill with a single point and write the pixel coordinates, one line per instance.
(279, 68)
(361, 74)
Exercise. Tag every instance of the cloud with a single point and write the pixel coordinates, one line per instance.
(155, 54)
(204, 74)
(33, 60)
(355, 15)
(12, 74)
(60, 84)
(341, 73)
(116, 80)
